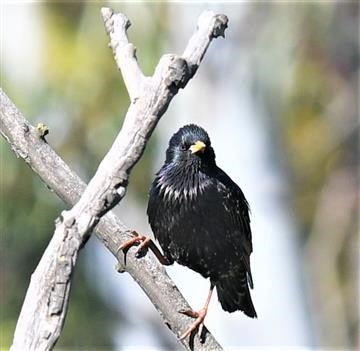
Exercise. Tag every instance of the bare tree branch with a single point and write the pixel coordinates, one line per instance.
(147, 272)
(44, 309)
(124, 52)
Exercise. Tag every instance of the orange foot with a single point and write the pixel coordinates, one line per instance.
(142, 239)
(145, 243)
(199, 321)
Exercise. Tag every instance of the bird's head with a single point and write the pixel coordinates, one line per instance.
(190, 145)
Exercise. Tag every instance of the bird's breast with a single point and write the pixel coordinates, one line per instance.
(186, 226)
(181, 184)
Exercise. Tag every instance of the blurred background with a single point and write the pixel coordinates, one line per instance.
(279, 99)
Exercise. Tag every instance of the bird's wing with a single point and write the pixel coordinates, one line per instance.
(238, 209)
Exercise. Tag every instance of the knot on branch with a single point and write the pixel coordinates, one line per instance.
(42, 130)
(178, 74)
(120, 179)
(221, 23)
(114, 194)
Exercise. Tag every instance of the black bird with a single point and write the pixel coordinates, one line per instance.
(201, 219)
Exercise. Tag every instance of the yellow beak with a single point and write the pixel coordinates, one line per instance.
(199, 146)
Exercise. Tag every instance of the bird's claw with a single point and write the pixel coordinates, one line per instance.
(143, 246)
(190, 313)
(142, 239)
(199, 322)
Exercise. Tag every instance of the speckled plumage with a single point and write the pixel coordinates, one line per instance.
(201, 219)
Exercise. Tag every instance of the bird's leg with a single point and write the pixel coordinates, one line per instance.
(199, 315)
(145, 243)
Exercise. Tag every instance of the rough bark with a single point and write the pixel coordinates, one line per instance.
(44, 309)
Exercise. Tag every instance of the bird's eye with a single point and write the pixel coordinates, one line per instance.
(183, 147)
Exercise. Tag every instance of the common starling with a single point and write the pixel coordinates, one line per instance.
(200, 218)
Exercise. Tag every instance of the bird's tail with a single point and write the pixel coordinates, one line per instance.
(234, 294)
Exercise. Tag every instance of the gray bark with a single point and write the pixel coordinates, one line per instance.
(45, 305)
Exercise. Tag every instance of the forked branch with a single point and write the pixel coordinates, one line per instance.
(44, 309)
